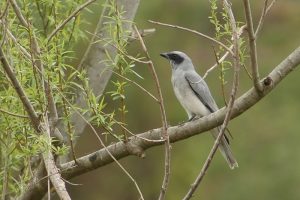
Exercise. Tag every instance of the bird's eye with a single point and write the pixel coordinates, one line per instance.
(177, 59)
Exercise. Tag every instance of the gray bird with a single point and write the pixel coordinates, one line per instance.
(195, 97)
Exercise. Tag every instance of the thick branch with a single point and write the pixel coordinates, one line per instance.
(177, 133)
(53, 171)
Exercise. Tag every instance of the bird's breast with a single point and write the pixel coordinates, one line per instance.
(188, 99)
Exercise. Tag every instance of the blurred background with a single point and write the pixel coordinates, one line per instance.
(266, 137)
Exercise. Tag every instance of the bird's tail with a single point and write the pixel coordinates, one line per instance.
(225, 149)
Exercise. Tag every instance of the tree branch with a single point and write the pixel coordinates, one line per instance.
(240, 32)
(48, 157)
(13, 114)
(163, 119)
(189, 129)
(195, 32)
(73, 14)
(265, 11)
(119, 150)
(252, 44)
(20, 91)
(52, 170)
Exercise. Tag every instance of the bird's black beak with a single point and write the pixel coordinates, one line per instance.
(165, 55)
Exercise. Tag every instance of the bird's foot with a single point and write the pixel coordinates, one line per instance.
(194, 117)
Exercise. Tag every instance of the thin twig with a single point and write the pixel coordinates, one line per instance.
(20, 91)
(70, 183)
(5, 173)
(136, 84)
(163, 118)
(235, 84)
(221, 77)
(23, 50)
(109, 42)
(264, 13)
(131, 133)
(143, 33)
(252, 44)
(103, 145)
(217, 63)
(35, 56)
(73, 14)
(240, 32)
(195, 32)
(42, 16)
(13, 114)
(19, 14)
(247, 71)
(5, 10)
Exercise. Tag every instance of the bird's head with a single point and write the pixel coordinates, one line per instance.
(178, 60)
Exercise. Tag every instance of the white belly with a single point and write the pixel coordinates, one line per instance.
(191, 103)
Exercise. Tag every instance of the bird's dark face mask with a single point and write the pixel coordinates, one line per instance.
(174, 59)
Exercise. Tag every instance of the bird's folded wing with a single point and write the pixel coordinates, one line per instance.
(201, 90)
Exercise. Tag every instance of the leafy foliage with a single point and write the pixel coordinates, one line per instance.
(21, 145)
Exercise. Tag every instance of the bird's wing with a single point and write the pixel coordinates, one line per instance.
(201, 90)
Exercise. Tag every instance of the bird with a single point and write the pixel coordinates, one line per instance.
(195, 97)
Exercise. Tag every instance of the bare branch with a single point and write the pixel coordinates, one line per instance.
(240, 32)
(264, 13)
(252, 44)
(163, 119)
(13, 114)
(138, 85)
(71, 16)
(195, 32)
(143, 33)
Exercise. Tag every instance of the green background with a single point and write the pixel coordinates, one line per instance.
(266, 137)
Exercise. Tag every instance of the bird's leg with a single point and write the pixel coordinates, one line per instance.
(192, 117)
